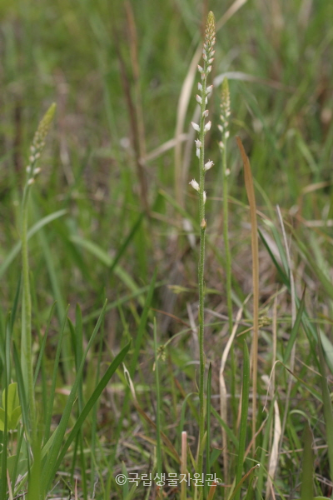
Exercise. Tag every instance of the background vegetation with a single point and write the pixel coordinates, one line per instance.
(123, 227)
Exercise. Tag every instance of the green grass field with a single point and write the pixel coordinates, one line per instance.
(124, 371)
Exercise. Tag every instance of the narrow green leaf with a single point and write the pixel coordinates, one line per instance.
(229, 432)
(328, 415)
(282, 274)
(294, 330)
(308, 466)
(89, 405)
(48, 416)
(52, 457)
(34, 229)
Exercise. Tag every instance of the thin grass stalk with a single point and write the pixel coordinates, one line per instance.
(293, 320)
(208, 436)
(202, 129)
(183, 469)
(26, 348)
(10, 491)
(94, 423)
(4, 442)
(238, 486)
(223, 127)
(158, 407)
(26, 340)
(274, 448)
(255, 279)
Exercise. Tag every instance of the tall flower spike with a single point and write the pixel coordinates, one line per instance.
(42, 130)
(202, 128)
(225, 113)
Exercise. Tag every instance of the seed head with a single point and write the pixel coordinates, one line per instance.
(210, 31)
(225, 100)
(41, 133)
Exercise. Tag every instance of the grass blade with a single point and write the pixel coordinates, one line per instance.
(33, 230)
(328, 414)
(89, 405)
(57, 439)
(308, 466)
(255, 278)
(294, 330)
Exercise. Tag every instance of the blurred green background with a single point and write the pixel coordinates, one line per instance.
(116, 71)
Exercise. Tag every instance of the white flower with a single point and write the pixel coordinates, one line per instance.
(209, 89)
(204, 197)
(199, 86)
(198, 143)
(195, 185)
(195, 126)
(198, 99)
(200, 69)
(209, 164)
(197, 152)
(205, 113)
(207, 126)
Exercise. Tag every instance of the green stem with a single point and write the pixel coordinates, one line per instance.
(201, 270)
(225, 232)
(26, 342)
(158, 407)
(228, 273)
